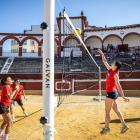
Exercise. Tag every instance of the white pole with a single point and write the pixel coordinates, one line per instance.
(48, 69)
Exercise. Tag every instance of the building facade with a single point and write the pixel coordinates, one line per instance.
(94, 37)
(29, 46)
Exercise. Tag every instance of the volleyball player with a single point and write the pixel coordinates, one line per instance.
(6, 96)
(112, 84)
(17, 98)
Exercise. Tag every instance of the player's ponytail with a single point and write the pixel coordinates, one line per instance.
(124, 64)
(119, 66)
(3, 81)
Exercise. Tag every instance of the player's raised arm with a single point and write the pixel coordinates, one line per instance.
(104, 59)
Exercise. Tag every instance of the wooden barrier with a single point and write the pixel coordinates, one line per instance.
(35, 85)
(103, 92)
(126, 85)
(38, 76)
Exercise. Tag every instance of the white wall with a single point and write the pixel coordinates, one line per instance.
(17, 55)
(56, 29)
(1, 37)
(35, 29)
(94, 43)
(112, 40)
(117, 32)
(27, 46)
(63, 37)
(132, 40)
(9, 54)
(71, 42)
(29, 54)
(76, 23)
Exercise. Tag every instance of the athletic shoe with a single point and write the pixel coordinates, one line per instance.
(105, 130)
(1, 137)
(25, 113)
(124, 128)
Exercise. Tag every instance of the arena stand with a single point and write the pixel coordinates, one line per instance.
(34, 65)
(29, 71)
(2, 62)
(26, 65)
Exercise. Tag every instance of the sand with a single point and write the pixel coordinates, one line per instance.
(78, 118)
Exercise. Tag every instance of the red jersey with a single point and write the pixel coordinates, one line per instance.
(5, 90)
(18, 95)
(111, 85)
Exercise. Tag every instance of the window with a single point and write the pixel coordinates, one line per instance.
(24, 50)
(15, 41)
(32, 51)
(32, 43)
(25, 42)
(14, 51)
(12, 42)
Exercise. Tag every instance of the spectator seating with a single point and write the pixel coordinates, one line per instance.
(2, 61)
(34, 65)
(26, 65)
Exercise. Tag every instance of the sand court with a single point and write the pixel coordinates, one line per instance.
(78, 118)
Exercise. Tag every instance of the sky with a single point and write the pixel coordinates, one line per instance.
(18, 15)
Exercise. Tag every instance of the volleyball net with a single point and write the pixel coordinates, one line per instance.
(80, 71)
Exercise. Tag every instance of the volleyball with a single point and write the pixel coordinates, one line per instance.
(78, 31)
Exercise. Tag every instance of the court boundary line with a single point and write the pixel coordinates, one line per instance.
(86, 104)
(97, 104)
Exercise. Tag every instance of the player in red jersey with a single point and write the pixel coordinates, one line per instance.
(17, 97)
(6, 96)
(112, 84)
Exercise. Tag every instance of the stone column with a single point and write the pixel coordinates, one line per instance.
(39, 50)
(20, 51)
(122, 45)
(1, 50)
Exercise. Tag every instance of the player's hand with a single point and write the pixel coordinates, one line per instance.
(100, 52)
(126, 99)
(25, 99)
(17, 88)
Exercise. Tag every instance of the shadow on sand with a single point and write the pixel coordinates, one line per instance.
(126, 120)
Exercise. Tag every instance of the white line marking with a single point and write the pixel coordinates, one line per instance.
(98, 104)
(88, 104)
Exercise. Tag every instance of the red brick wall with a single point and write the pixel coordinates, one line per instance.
(126, 85)
(135, 74)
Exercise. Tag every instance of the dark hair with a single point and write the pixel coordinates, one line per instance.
(16, 79)
(120, 64)
(3, 81)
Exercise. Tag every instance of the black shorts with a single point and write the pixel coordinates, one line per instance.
(4, 108)
(20, 103)
(112, 95)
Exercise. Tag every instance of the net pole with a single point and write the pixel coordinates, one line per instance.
(99, 84)
(48, 70)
